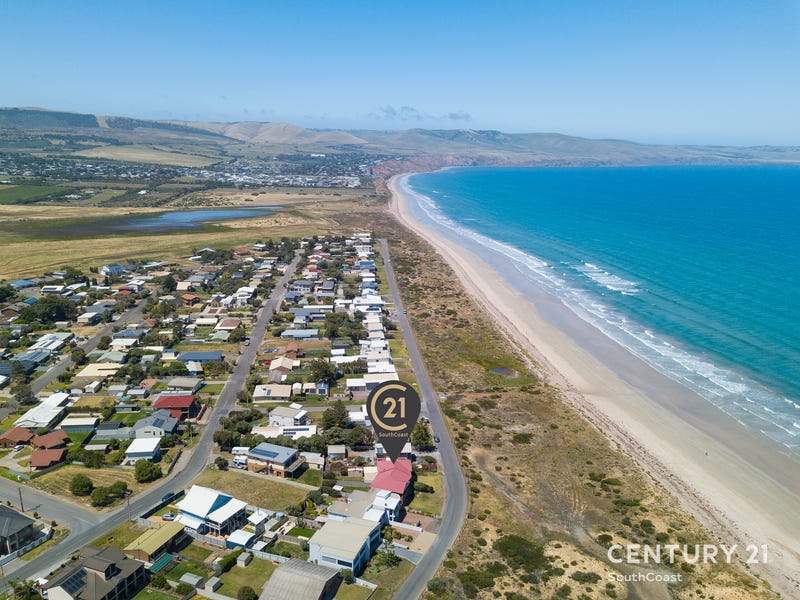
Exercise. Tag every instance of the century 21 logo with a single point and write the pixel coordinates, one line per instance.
(393, 406)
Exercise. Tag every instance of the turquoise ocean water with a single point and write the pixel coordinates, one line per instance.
(695, 270)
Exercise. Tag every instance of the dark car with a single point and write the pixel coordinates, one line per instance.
(436, 439)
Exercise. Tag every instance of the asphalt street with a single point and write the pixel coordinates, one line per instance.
(86, 526)
(455, 504)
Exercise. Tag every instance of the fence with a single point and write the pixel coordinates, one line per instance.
(174, 460)
(268, 556)
(205, 538)
(34, 544)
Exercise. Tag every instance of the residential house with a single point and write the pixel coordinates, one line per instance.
(111, 270)
(288, 416)
(180, 406)
(337, 451)
(16, 436)
(207, 510)
(44, 459)
(97, 574)
(16, 530)
(314, 460)
(397, 477)
(381, 506)
(157, 425)
(302, 580)
(345, 544)
(274, 460)
(200, 356)
(272, 392)
(78, 424)
(190, 299)
(148, 448)
(157, 541)
(51, 440)
(187, 384)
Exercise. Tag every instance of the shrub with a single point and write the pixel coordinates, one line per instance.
(119, 488)
(100, 496)
(521, 438)
(347, 576)
(183, 589)
(423, 487)
(437, 586)
(520, 553)
(158, 581)
(81, 485)
(583, 577)
(246, 593)
(229, 561)
(145, 471)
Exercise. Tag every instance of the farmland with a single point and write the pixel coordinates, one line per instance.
(24, 194)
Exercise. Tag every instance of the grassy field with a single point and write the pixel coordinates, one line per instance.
(196, 552)
(352, 592)
(284, 548)
(32, 258)
(266, 492)
(151, 594)
(145, 154)
(57, 482)
(389, 580)
(121, 536)
(311, 477)
(187, 566)
(430, 504)
(254, 575)
(23, 194)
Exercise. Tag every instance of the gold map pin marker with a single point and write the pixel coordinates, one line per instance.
(393, 408)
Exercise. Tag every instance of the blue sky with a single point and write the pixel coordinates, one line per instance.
(673, 72)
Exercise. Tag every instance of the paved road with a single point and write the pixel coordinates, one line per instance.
(187, 469)
(65, 363)
(455, 504)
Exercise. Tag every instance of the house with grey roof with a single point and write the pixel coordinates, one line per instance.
(274, 460)
(301, 580)
(16, 530)
(97, 574)
(157, 425)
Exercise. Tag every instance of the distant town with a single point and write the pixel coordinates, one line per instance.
(217, 401)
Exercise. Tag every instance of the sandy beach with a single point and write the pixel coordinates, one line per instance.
(737, 484)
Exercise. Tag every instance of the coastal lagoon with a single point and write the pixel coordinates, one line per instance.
(181, 220)
(694, 270)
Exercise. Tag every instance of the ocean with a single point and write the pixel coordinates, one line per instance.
(695, 270)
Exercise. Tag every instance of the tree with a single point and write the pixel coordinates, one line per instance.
(81, 485)
(78, 356)
(322, 370)
(246, 593)
(49, 309)
(237, 335)
(145, 471)
(92, 459)
(104, 343)
(335, 416)
(222, 464)
(347, 576)
(158, 581)
(119, 488)
(100, 496)
(226, 439)
(421, 436)
(358, 436)
(22, 393)
(167, 283)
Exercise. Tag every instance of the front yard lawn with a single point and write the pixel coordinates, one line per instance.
(254, 575)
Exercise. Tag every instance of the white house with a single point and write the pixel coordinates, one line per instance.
(147, 448)
(288, 416)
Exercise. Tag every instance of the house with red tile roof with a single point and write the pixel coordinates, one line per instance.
(49, 441)
(43, 459)
(180, 406)
(396, 477)
(15, 436)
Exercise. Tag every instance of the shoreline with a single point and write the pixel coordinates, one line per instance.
(716, 469)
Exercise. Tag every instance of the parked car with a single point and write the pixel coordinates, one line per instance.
(18, 447)
(168, 516)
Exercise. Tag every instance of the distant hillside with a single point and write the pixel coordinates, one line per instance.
(38, 118)
(417, 148)
(277, 133)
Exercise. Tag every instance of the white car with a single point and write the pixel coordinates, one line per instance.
(17, 448)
